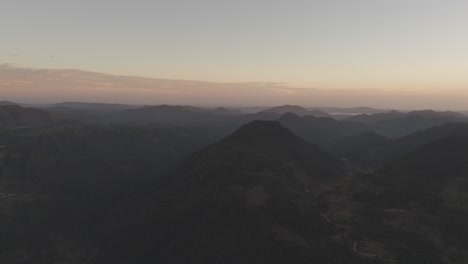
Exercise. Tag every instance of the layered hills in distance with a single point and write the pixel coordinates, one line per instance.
(110, 183)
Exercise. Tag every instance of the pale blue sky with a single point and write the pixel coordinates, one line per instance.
(328, 44)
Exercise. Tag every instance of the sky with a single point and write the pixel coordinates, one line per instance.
(340, 47)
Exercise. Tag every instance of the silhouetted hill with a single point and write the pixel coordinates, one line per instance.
(396, 124)
(425, 192)
(82, 193)
(226, 111)
(236, 121)
(371, 118)
(433, 175)
(241, 200)
(295, 109)
(424, 173)
(401, 146)
(318, 113)
(351, 110)
(163, 113)
(86, 116)
(323, 131)
(269, 140)
(58, 183)
(298, 110)
(7, 103)
(446, 157)
(14, 115)
(176, 113)
(95, 107)
(130, 149)
(360, 147)
(434, 133)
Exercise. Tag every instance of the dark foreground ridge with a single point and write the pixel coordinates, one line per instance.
(245, 199)
(87, 186)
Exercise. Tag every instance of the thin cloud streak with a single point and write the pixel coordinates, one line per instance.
(52, 85)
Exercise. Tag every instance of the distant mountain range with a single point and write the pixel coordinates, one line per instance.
(397, 124)
(295, 109)
(92, 183)
(378, 117)
(7, 103)
(321, 130)
(14, 115)
(330, 134)
(95, 107)
(401, 146)
(359, 113)
(351, 110)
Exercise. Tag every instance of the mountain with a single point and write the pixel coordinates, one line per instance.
(83, 193)
(264, 195)
(94, 107)
(402, 146)
(358, 142)
(59, 183)
(351, 110)
(268, 140)
(424, 192)
(163, 113)
(434, 177)
(14, 115)
(85, 116)
(372, 118)
(397, 124)
(242, 200)
(319, 113)
(176, 113)
(7, 103)
(322, 131)
(428, 135)
(298, 110)
(226, 111)
(360, 147)
(443, 158)
(295, 109)
(252, 109)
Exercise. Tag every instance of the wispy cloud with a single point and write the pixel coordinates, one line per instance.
(52, 85)
(283, 90)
